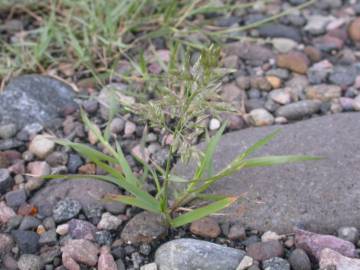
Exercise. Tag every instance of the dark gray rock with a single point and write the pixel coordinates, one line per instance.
(49, 254)
(27, 241)
(350, 234)
(320, 195)
(11, 143)
(35, 98)
(276, 264)
(15, 198)
(66, 209)
(74, 163)
(103, 238)
(252, 53)
(48, 238)
(280, 30)
(343, 76)
(191, 254)
(299, 110)
(88, 192)
(29, 223)
(299, 260)
(6, 181)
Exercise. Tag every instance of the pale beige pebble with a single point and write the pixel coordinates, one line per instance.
(274, 81)
(281, 96)
(93, 139)
(331, 258)
(323, 92)
(284, 45)
(356, 104)
(141, 153)
(280, 120)
(260, 117)
(109, 222)
(42, 145)
(62, 229)
(149, 266)
(38, 168)
(214, 124)
(6, 213)
(335, 106)
(106, 260)
(130, 128)
(245, 263)
(269, 235)
(40, 229)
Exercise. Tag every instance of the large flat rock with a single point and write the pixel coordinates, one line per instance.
(319, 195)
(35, 99)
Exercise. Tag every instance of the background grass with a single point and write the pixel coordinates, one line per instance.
(88, 38)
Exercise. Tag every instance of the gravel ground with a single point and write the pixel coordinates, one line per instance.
(306, 65)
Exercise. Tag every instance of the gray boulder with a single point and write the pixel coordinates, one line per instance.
(35, 99)
(317, 195)
(191, 254)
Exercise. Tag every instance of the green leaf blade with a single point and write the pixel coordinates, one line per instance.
(267, 161)
(202, 212)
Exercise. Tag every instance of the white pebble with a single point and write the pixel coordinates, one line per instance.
(269, 235)
(41, 146)
(149, 266)
(245, 263)
(214, 124)
(62, 229)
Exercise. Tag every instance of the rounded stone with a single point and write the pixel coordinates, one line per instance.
(205, 227)
(191, 254)
(214, 124)
(299, 260)
(237, 232)
(350, 234)
(109, 222)
(30, 262)
(143, 228)
(41, 146)
(81, 229)
(6, 181)
(8, 130)
(261, 117)
(276, 264)
(261, 251)
(66, 209)
(354, 30)
(294, 61)
(27, 241)
(15, 198)
(6, 244)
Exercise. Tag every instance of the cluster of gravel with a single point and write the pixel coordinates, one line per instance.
(307, 65)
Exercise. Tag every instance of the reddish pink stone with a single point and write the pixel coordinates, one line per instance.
(5, 213)
(314, 243)
(106, 260)
(332, 258)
